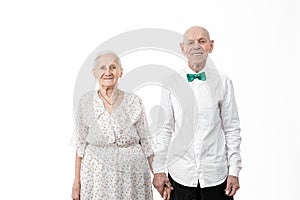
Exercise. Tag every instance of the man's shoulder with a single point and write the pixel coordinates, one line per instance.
(214, 73)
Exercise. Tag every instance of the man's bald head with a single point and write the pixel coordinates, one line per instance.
(192, 31)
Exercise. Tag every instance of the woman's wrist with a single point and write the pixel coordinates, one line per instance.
(77, 180)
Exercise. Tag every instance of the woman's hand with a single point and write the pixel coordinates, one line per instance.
(76, 190)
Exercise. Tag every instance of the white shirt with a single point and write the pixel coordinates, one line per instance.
(200, 137)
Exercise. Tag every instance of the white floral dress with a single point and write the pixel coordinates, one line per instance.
(114, 147)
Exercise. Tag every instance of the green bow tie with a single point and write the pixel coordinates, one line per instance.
(200, 76)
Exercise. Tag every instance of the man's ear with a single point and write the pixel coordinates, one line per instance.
(182, 48)
(211, 44)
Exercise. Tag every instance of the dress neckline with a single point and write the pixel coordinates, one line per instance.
(102, 103)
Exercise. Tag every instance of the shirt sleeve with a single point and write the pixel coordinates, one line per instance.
(164, 135)
(81, 131)
(143, 129)
(231, 126)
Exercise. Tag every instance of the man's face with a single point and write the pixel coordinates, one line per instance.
(196, 47)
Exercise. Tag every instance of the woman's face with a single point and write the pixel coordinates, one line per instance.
(108, 70)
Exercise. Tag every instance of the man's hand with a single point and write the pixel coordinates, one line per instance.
(167, 193)
(162, 183)
(232, 185)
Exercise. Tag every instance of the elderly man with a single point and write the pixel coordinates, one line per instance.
(203, 162)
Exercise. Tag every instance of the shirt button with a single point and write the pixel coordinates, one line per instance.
(100, 166)
(111, 140)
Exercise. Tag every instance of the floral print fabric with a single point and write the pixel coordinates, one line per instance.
(114, 147)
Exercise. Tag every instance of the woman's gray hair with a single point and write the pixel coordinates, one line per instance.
(103, 53)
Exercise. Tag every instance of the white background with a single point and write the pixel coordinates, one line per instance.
(44, 43)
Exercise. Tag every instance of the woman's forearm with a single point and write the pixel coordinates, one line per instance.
(150, 160)
(77, 168)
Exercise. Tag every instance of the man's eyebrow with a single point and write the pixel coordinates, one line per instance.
(201, 38)
(187, 40)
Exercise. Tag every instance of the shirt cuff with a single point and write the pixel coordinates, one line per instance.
(157, 166)
(234, 170)
(161, 170)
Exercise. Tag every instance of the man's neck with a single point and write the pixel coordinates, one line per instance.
(196, 67)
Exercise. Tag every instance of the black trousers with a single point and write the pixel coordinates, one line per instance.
(181, 192)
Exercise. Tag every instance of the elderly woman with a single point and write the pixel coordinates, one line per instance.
(112, 140)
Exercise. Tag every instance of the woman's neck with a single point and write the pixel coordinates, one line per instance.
(108, 91)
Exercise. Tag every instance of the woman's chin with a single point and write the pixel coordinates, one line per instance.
(108, 85)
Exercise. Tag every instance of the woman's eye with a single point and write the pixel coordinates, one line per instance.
(112, 67)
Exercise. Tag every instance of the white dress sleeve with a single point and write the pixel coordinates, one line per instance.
(142, 128)
(81, 130)
(165, 134)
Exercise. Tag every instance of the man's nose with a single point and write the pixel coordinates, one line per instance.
(196, 44)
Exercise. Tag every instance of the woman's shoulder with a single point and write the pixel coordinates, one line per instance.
(132, 97)
(134, 105)
(87, 96)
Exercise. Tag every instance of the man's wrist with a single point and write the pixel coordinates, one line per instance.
(158, 170)
(234, 171)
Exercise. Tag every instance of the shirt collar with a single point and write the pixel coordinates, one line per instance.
(188, 70)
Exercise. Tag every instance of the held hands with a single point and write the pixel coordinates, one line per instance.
(232, 185)
(76, 190)
(162, 183)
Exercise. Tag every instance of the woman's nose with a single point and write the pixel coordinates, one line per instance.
(107, 70)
